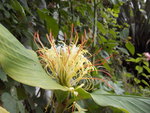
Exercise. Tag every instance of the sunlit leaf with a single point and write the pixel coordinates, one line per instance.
(137, 80)
(147, 68)
(139, 69)
(130, 47)
(143, 81)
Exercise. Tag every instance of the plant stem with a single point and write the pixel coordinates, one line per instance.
(71, 10)
(61, 107)
(94, 26)
(59, 15)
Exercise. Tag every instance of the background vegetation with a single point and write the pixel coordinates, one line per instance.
(119, 27)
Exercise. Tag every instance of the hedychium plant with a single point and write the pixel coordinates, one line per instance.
(65, 70)
(68, 64)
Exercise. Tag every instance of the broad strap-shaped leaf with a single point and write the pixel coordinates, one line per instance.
(128, 104)
(22, 64)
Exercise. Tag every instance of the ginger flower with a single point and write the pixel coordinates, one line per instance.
(67, 64)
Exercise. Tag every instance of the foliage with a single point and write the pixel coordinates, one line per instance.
(13, 70)
(136, 14)
(106, 24)
(142, 68)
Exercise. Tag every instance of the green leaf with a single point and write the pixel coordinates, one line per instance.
(61, 95)
(140, 55)
(146, 63)
(130, 47)
(82, 94)
(51, 23)
(21, 107)
(147, 69)
(128, 75)
(137, 80)
(124, 33)
(9, 102)
(145, 75)
(123, 50)
(101, 28)
(131, 60)
(102, 39)
(22, 64)
(113, 33)
(137, 60)
(139, 69)
(17, 6)
(104, 54)
(143, 81)
(3, 76)
(128, 104)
